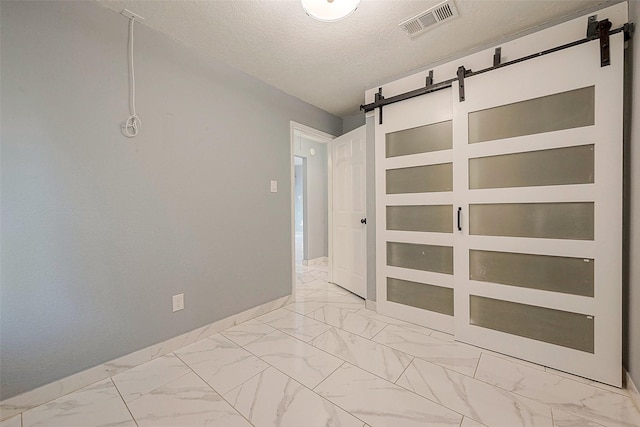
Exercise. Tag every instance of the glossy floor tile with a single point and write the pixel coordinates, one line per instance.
(221, 363)
(305, 307)
(272, 399)
(378, 359)
(12, 422)
(390, 320)
(355, 323)
(332, 297)
(582, 400)
(247, 332)
(381, 403)
(301, 361)
(451, 355)
(468, 422)
(149, 376)
(99, 404)
(473, 398)
(187, 401)
(587, 381)
(294, 324)
(325, 360)
(566, 419)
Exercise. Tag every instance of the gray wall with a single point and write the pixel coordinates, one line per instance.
(316, 208)
(632, 303)
(98, 231)
(350, 123)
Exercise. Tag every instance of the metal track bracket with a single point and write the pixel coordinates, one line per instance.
(603, 33)
(461, 73)
(379, 98)
(629, 29)
(592, 26)
(429, 79)
(600, 30)
(497, 56)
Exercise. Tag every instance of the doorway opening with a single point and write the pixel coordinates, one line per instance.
(328, 208)
(310, 209)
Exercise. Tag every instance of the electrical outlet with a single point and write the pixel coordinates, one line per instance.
(178, 302)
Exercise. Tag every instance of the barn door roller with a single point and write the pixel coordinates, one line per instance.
(600, 29)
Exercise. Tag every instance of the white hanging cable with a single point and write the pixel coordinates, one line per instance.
(132, 125)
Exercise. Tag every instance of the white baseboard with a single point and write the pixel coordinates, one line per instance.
(23, 402)
(316, 261)
(370, 305)
(633, 390)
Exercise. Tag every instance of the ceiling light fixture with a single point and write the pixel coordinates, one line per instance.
(329, 10)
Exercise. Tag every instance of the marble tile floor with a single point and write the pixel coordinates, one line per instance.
(325, 360)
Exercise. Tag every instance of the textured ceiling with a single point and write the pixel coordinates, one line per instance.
(331, 64)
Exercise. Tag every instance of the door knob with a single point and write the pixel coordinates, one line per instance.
(363, 221)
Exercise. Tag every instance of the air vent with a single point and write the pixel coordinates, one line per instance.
(428, 19)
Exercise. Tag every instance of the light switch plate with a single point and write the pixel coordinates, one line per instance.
(178, 302)
(274, 186)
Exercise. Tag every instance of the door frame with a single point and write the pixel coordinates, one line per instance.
(323, 137)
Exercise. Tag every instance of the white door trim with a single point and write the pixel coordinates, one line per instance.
(319, 136)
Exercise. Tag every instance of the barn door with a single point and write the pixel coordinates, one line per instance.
(538, 180)
(414, 198)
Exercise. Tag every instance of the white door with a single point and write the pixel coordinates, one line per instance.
(414, 215)
(538, 178)
(348, 157)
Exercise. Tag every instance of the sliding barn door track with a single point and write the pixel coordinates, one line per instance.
(596, 30)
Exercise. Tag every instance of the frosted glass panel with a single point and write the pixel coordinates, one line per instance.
(423, 139)
(420, 179)
(436, 218)
(420, 295)
(543, 220)
(560, 166)
(549, 273)
(438, 259)
(572, 330)
(564, 110)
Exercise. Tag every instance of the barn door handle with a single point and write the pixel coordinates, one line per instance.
(459, 219)
(363, 221)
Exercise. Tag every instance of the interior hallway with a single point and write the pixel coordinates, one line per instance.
(325, 360)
